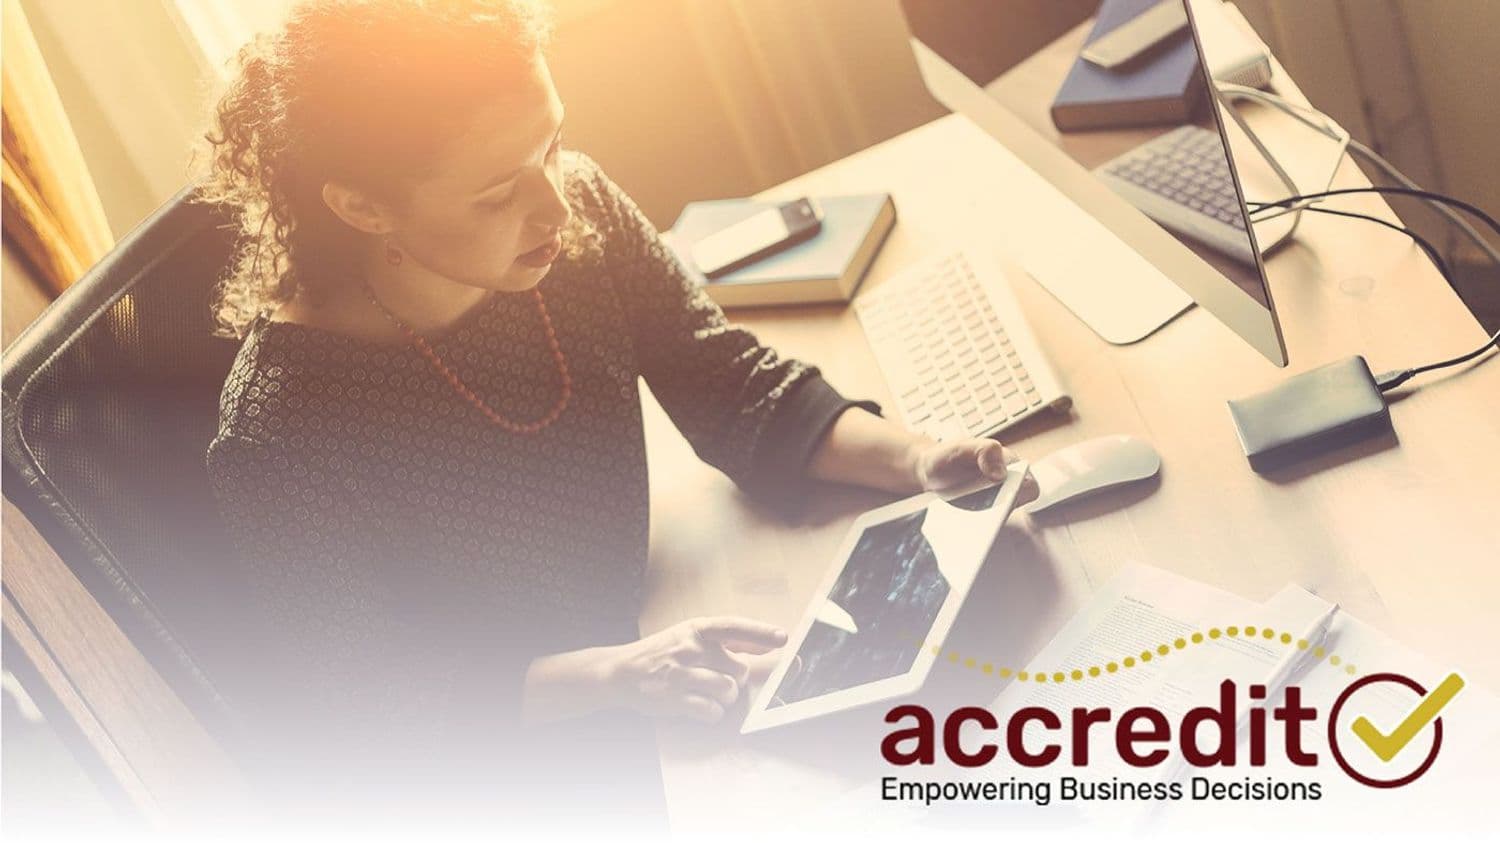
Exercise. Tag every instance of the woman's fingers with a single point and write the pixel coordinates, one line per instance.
(701, 694)
(973, 458)
(739, 634)
(695, 668)
(710, 684)
(956, 463)
(702, 709)
(761, 666)
(990, 456)
(715, 657)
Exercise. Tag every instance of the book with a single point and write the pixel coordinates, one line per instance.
(1162, 86)
(826, 267)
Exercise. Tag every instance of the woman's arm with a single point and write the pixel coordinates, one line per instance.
(769, 422)
(566, 685)
(746, 410)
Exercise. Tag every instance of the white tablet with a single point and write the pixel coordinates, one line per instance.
(892, 594)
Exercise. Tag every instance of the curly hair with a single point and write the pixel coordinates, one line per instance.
(364, 92)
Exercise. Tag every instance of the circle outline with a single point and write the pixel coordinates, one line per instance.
(1333, 743)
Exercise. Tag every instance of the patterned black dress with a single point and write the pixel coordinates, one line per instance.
(407, 558)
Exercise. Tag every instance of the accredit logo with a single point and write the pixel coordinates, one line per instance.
(1204, 736)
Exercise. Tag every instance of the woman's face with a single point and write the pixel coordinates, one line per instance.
(490, 212)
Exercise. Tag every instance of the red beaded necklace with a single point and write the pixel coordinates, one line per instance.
(468, 394)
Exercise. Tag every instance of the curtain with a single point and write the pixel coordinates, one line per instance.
(727, 97)
(218, 28)
(52, 212)
(812, 80)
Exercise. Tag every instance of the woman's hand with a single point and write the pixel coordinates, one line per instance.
(868, 450)
(946, 465)
(695, 669)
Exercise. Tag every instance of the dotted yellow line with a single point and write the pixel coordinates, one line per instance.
(1319, 654)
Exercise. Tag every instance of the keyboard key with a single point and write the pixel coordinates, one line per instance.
(1015, 405)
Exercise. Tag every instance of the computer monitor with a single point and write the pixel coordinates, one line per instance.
(1141, 146)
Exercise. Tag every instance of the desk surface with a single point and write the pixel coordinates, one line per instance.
(1401, 532)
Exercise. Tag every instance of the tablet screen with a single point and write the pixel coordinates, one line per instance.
(879, 611)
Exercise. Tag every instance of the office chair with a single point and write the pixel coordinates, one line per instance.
(110, 400)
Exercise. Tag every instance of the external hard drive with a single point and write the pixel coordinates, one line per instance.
(1317, 411)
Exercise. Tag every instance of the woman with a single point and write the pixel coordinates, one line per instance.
(430, 449)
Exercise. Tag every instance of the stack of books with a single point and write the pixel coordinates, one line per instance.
(1162, 86)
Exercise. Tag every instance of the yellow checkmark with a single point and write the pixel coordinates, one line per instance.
(1386, 746)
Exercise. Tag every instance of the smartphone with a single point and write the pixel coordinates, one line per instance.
(755, 237)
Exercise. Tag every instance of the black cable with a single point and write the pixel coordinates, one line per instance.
(1396, 191)
(1394, 378)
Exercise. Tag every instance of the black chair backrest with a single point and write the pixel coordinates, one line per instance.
(110, 400)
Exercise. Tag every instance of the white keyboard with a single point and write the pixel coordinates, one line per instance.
(956, 350)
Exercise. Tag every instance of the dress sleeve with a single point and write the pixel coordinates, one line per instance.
(748, 411)
(340, 668)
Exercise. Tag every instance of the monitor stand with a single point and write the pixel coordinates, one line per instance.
(1105, 282)
(1109, 285)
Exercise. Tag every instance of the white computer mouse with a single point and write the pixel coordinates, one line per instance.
(1091, 466)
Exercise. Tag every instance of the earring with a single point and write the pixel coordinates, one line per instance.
(392, 254)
